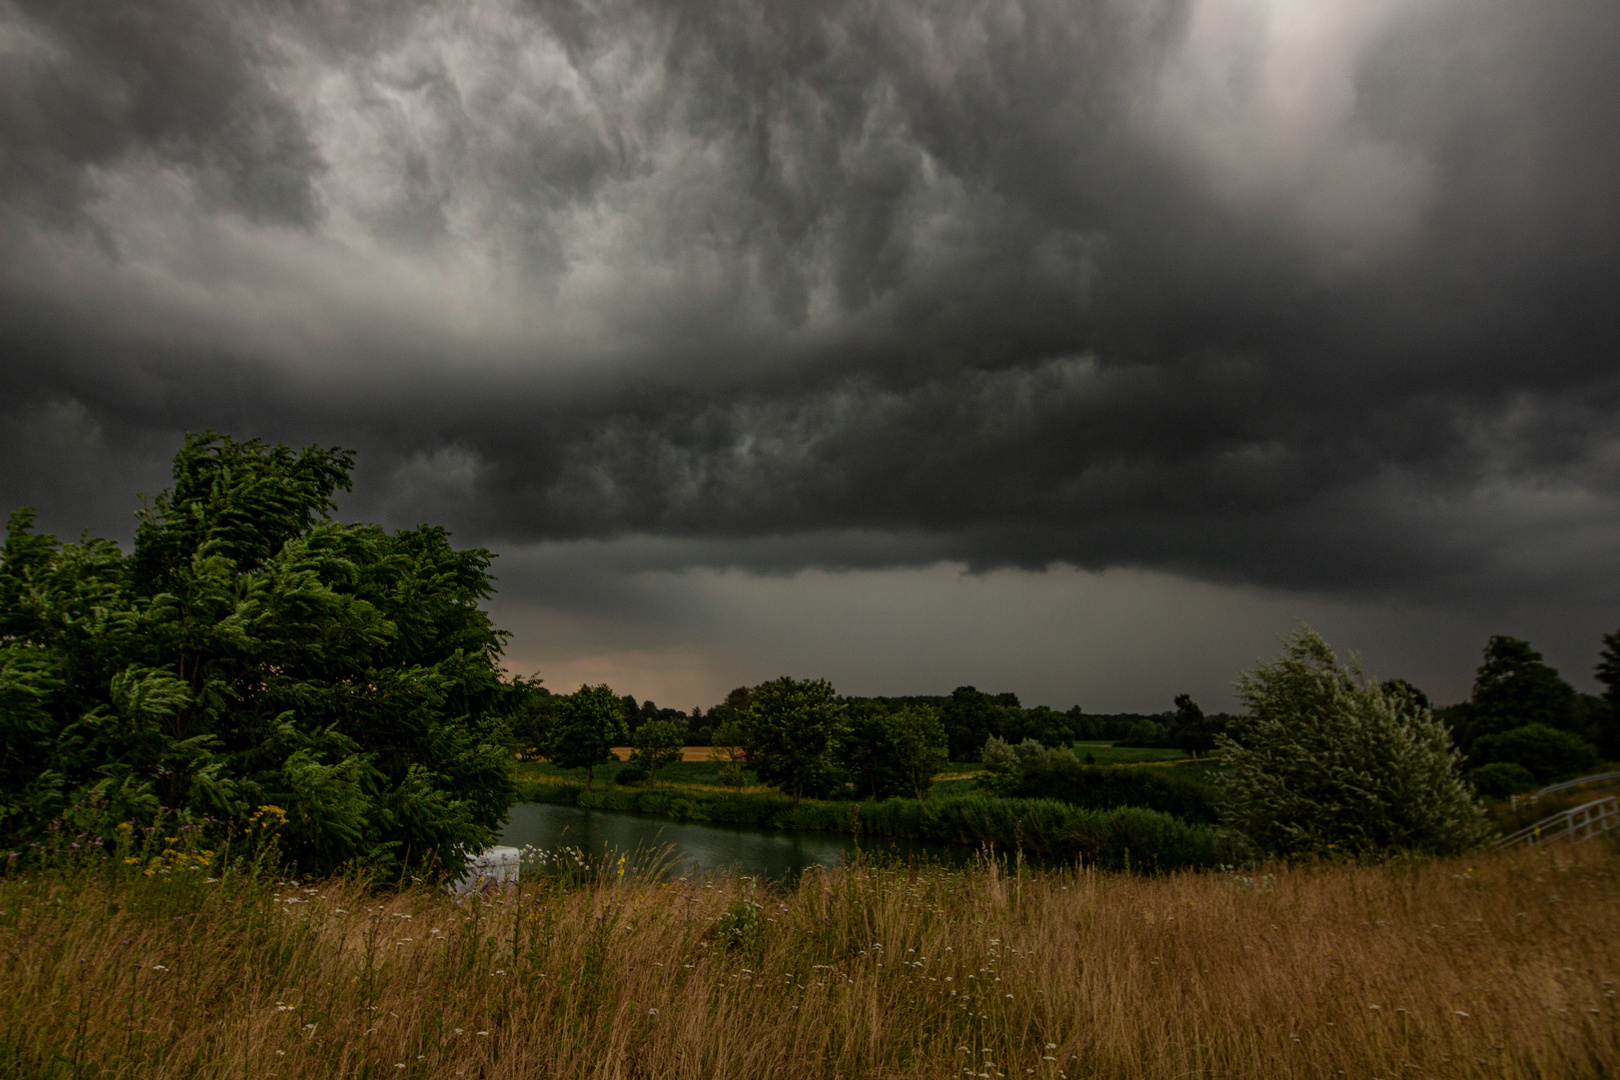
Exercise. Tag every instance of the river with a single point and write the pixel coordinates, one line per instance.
(779, 856)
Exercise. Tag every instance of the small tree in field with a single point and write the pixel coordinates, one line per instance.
(889, 752)
(790, 726)
(585, 728)
(657, 743)
(1327, 762)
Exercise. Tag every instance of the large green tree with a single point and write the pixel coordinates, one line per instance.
(1328, 762)
(585, 727)
(888, 751)
(1517, 692)
(790, 726)
(970, 717)
(252, 651)
(657, 743)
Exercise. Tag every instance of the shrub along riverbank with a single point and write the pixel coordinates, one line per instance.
(1116, 838)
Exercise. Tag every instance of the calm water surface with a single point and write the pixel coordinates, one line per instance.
(703, 848)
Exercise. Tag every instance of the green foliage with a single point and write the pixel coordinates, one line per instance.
(971, 717)
(657, 743)
(1608, 673)
(586, 726)
(1501, 779)
(887, 752)
(1032, 771)
(1549, 754)
(1327, 762)
(531, 716)
(1045, 725)
(1190, 730)
(253, 652)
(1514, 687)
(739, 927)
(789, 729)
(728, 716)
(1003, 761)
(1146, 732)
(1103, 787)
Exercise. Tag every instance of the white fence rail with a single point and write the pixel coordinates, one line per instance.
(1580, 823)
(1598, 778)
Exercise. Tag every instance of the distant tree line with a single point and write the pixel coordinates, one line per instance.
(968, 716)
(1522, 726)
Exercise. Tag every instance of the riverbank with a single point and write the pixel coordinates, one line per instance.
(1498, 965)
(1121, 838)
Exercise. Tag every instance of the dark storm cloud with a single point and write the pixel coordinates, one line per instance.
(1314, 295)
(88, 86)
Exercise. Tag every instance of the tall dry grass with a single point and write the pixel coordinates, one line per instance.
(1500, 966)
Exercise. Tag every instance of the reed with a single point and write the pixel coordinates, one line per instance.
(1503, 965)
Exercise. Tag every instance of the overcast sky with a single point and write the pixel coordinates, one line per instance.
(1079, 348)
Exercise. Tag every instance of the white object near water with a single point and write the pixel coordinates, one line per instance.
(492, 867)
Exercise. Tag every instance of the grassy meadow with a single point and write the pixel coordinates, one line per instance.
(1499, 965)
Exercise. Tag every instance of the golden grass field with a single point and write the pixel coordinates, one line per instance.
(688, 753)
(1504, 965)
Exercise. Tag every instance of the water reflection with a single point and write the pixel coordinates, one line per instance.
(702, 848)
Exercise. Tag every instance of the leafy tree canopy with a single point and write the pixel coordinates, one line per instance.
(1190, 730)
(1515, 687)
(1546, 752)
(789, 727)
(585, 727)
(657, 743)
(889, 752)
(1327, 762)
(251, 651)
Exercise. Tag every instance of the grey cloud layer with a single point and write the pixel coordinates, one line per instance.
(1317, 295)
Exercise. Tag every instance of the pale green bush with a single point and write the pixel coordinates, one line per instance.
(1328, 762)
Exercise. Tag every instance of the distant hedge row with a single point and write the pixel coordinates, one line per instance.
(1119, 838)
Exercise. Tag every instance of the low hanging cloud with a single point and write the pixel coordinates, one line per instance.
(1307, 295)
